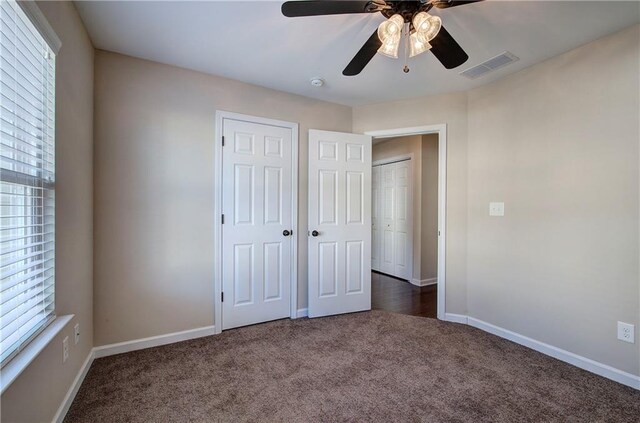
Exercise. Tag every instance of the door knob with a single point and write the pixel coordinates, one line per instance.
(286, 232)
(315, 233)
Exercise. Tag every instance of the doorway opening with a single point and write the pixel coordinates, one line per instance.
(407, 231)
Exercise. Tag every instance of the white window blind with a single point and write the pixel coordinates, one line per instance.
(27, 180)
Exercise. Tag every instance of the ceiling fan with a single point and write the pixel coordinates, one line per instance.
(408, 20)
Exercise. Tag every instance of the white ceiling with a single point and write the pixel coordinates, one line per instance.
(253, 42)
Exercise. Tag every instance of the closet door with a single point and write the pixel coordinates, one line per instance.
(392, 219)
(387, 219)
(403, 232)
(375, 218)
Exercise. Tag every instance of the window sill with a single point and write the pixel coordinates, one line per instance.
(20, 362)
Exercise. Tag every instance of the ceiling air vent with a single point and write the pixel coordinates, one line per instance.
(490, 65)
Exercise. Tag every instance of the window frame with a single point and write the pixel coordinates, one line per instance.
(17, 360)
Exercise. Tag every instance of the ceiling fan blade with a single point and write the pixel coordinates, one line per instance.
(447, 50)
(363, 56)
(445, 4)
(294, 9)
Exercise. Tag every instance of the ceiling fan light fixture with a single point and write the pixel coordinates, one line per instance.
(417, 45)
(390, 33)
(427, 26)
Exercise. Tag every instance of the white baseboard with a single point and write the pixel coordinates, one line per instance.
(424, 282)
(584, 363)
(153, 341)
(122, 347)
(73, 389)
(455, 318)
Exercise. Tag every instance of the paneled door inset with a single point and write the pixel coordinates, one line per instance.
(257, 227)
(339, 223)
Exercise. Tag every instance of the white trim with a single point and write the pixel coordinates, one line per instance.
(302, 312)
(37, 18)
(220, 116)
(124, 347)
(403, 132)
(441, 130)
(455, 318)
(152, 341)
(21, 361)
(568, 357)
(73, 389)
(217, 227)
(294, 219)
(424, 282)
(584, 363)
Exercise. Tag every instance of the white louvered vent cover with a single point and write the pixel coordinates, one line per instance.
(490, 65)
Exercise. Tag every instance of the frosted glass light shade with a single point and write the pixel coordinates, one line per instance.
(427, 26)
(390, 33)
(417, 45)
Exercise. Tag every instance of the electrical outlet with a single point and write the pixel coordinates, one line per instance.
(496, 209)
(65, 349)
(626, 332)
(76, 330)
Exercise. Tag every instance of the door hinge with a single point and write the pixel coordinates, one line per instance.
(223, 219)
(222, 297)
(223, 140)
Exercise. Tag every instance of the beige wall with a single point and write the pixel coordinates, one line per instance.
(37, 393)
(450, 109)
(154, 146)
(429, 208)
(399, 146)
(558, 143)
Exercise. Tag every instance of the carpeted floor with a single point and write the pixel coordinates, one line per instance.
(373, 366)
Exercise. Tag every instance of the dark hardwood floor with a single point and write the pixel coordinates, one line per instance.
(399, 296)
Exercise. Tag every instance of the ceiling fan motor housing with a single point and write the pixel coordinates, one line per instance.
(406, 9)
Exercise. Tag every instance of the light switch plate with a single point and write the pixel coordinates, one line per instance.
(496, 209)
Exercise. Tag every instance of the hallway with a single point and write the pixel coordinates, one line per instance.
(399, 296)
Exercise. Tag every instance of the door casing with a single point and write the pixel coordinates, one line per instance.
(217, 177)
(441, 130)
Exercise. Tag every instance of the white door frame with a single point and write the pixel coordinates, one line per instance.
(217, 200)
(441, 130)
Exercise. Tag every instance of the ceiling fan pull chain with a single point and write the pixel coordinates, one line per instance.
(407, 30)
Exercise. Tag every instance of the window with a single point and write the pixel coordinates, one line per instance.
(27, 180)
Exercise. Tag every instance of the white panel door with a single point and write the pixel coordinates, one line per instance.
(375, 218)
(403, 236)
(256, 204)
(339, 223)
(388, 215)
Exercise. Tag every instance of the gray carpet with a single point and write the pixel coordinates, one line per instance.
(373, 366)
